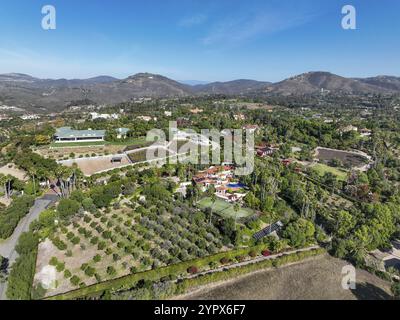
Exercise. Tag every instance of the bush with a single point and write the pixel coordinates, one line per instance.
(67, 208)
(75, 240)
(101, 245)
(193, 270)
(97, 258)
(253, 254)
(10, 218)
(60, 266)
(266, 253)
(75, 280)
(53, 261)
(111, 271)
(89, 271)
(59, 244)
(67, 274)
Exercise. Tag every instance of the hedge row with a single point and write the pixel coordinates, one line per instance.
(127, 282)
(10, 218)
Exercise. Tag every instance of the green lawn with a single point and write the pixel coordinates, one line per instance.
(224, 208)
(321, 169)
(126, 142)
(78, 144)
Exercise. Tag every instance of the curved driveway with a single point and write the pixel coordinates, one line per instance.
(7, 247)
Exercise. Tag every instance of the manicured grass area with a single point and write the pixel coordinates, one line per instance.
(321, 169)
(126, 142)
(224, 208)
(78, 144)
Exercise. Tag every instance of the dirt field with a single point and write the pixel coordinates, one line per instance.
(319, 278)
(15, 172)
(349, 159)
(91, 166)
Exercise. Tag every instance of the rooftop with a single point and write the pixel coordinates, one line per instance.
(67, 132)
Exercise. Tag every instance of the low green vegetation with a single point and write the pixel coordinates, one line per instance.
(322, 169)
(11, 216)
(224, 209)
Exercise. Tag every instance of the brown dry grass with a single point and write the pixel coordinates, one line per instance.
(319, 278)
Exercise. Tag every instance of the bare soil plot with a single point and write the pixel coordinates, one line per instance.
(12, 170)
(349, 159)
(318, 278)
(93, 165)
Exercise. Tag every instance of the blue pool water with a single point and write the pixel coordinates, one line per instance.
(236, 185)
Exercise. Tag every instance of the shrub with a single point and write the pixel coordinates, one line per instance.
(253, 254)
(89, 271)
(193, 270)
(266, 253)
(67, 274)
(97, 258)
(59, 244)
(111, 271)
(75, 240)
(75, 280)
(60, 266)
(53, 261)
(116, 257)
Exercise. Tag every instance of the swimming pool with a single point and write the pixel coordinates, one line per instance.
(235, 185)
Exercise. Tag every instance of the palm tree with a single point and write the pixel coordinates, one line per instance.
(213, 200)
(8, 180)
(3, 182)
(33, 172)
(236, 208)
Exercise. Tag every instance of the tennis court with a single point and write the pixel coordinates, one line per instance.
(224, 209)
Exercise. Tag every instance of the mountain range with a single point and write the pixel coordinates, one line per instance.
(21, 90)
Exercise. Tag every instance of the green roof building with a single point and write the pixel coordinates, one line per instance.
(66, 134)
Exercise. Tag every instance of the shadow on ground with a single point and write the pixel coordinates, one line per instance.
(368, 291)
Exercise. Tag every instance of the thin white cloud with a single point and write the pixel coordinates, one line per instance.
(195, 20)
(237, 30)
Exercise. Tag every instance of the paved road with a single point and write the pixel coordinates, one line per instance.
(7, 247)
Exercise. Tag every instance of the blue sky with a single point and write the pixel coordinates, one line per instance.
(212, 40)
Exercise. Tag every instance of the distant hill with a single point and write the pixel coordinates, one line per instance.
(386, 82)
(21, 90)
(26, 91)
(241, 86)
(314, 82)
(193, 82)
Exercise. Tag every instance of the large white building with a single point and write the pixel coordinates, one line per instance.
(66, 134)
